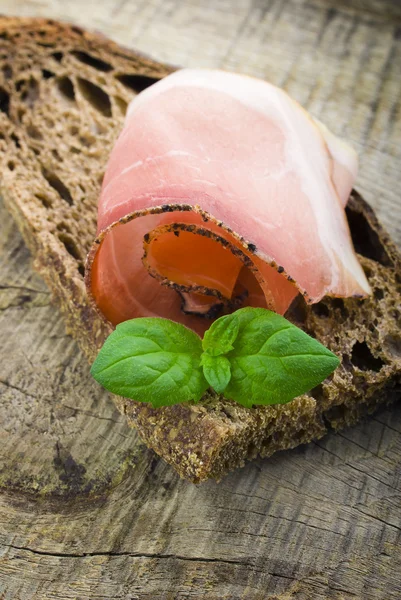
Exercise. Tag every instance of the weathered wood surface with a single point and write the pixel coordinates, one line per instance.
(85, 510)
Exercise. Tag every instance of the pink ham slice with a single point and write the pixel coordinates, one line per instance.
(235, 159)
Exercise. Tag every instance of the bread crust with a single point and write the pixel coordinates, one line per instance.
(63, 96)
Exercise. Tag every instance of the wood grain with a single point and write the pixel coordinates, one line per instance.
(85, 510)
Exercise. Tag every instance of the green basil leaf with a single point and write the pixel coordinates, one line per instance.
(273, 361)
(217, 371)
(152, 360)
(221, 335)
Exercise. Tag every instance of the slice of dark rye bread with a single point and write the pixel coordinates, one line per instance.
(63, 95)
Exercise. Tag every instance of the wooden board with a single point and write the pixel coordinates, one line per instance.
(85, 510)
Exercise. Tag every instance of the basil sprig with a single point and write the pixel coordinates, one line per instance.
(253, 356)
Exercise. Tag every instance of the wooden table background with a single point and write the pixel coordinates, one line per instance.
(86, 511)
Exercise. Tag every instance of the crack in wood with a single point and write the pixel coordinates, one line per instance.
(7, 286)
(18, 389)
(21, 304)
(90, 414)
(278, 517)
(386, 425)
(155, 555)
(391, 487)
(384, 458)
(376, 518)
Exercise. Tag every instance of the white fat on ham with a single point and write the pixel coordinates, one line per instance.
(344, 162)
(234, 156)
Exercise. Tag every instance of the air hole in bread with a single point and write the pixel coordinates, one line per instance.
(317, 392)
(335, 416)
(34, 133)
(11, 165)
(15, 139)
(346, 362)
(378, 294)
(81, 269)
(58, 56)
(267, 442)
(366, 239)
(121, 104)
(4, 101)
(373, 325)
(137, 83)
(92, 61)
(321, 310)
(297, 312)
(363, 358)
(55, 182)
(47, 202)
(46, 74)
(7, 71)
(85, 141)
(339, 304)
(228, 411)
(299, 436)
(70, 246)
(95, 96)
(66, 88)
(253, 450)
(326, 422)
(46, 44)
(63, 227)
(31, 93)
(368, 271)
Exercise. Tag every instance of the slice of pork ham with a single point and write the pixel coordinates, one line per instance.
(237, 162)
